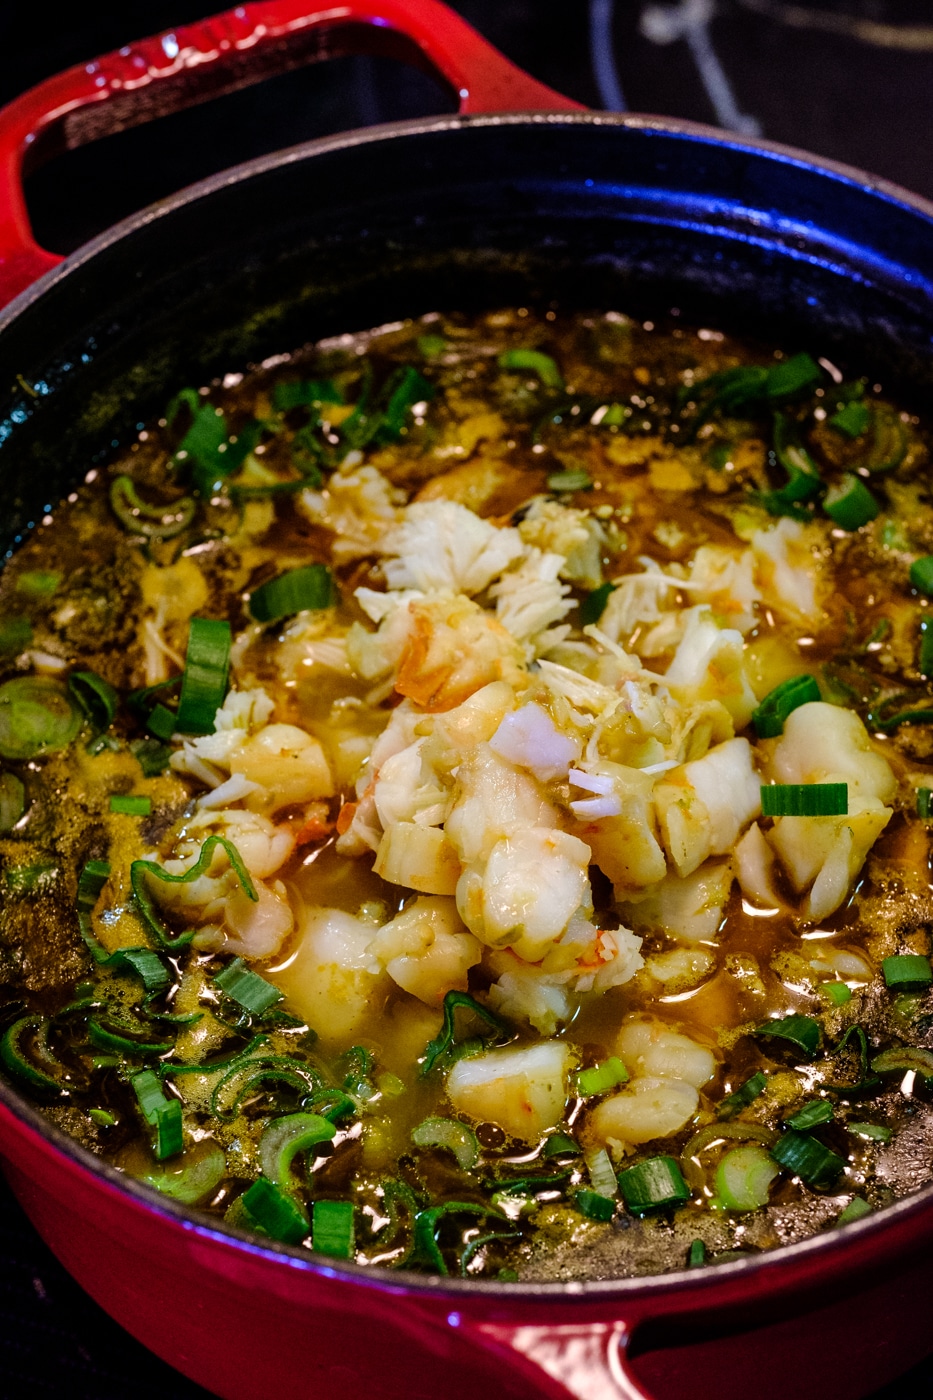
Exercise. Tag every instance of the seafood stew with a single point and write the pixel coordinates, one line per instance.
(465, 799)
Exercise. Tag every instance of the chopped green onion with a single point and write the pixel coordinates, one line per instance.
(696, 1255)
(793, 376)
(101, 1117)
(904, 1058)
(37, 717)
(601, 1171)
(15, 635)
(744, 1176)
(924, 803)
(455, 1137)
(852, 420)
(444, 1042)
(146, 965)
(837, 992)
(106, 1039)
(801, 1031)
(25, 879)
(744, 1095)
(806, 1157)
(850, 504)
(803, 477)
(601, 1078)
(283, 1138)
(880, 716)
(305, 394)
(569, 481)
(247, 988)
(148, 1089)
(855, 1210)
(161, 722)
(560, 1145)
(191, 1178)
(130, 805)
(12, 801)
(162, 522)
(152, 757)
(97, 697)
(428, 1222)
(771, 712)
(537, 362)
(140, 869)
(204, 682)
(310, 587)
(593, 605)
(38, 583)
(93, 877)
(908, 972)
(430, 346)
(14, 1058)
(889, 442)
(332, 1229)
(874, 1132)
(811, 1115)
(250, 1076)
(594, 1204)
(406, 387)
(332, 1104)
(275, 1212)
(805, 799)
(921, 574)
(652, 1184)
(528, 1185)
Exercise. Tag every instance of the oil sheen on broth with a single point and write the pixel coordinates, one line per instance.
(465, 799)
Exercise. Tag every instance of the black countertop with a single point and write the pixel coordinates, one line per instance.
(848, 79)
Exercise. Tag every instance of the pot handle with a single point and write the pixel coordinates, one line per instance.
(231, 50)
(570, 1361)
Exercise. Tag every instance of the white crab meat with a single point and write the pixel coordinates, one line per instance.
(288, 765)
(529, 738)
(689, 909)
(788, 569)
(525, 993)
(522, 1091)
(494, 799)
(703, 805)
(257, 928)
(442, 546)
(427, 950)
(649, 1048)
(625, 846)
(533, 884)
(649, 1107)
(709, 665)
(418, 857)
(406, 789)
(330, 977)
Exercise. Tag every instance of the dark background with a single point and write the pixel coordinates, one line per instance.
(848, 79)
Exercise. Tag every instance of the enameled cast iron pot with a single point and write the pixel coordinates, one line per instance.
(466, 211)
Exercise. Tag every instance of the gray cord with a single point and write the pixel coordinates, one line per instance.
(602, 57)
(689, 20)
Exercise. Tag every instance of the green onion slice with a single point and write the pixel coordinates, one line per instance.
(744, 1177)
(812, 1114)
(333, 1229)
(855, 1210)
(601, 1172)
(805, 799)
(742, 1096)
(15, 635)
(97, 698)
(247, 988)
(12, 801)
(801, 1031)
(444, 1042)
(537, 362)
(771, 712)
(560, 1145)
(448, 1133)
(570, 481)
(130, 805)
(283, 1138)
(886, 717)
(806, 1157)
(903, 1058)
(594, 1205)
(39, 583)
(107, 1039)
(907, 972)
(428, 1223)
(161, 722)
(852, 420)
(141, 869)
(332, 1104)
(246, 1080)
(152, 757)
(161, 522)
(850, 504)
(190, 1178)
(921, 574)
(16, 1060)
(305, 394)
(838, 992)
(204, 682)
(145, 964)
(93, 877)
(652, 1184)
(874, 1132)
(593, 605)
(299, 589)
(275, 1212)
(148, 1090)
(696, 1255)
(601, 1078)
(37, 716)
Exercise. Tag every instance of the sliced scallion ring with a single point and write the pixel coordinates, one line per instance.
(12, 801)
(283, 1138)
(804, 799)
(653, 1184)
(299, 589)
(275, 1212)
(97, 697)
(806, 1157)
(37, 716)
(204, 682)
(771, 712)
(448, 1133)
(333, 1229)
(161, 522)
(800, 1031)
(537, 362)
(849, 503)
(599, 1079)
(744, 1177)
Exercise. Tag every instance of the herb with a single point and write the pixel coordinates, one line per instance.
(771, 713)
(601, 1078)
(204, 680)
(130, 805)
(804, 799)
(454, 1136)
(652, 1184)
(593, 605)
(537, 362)
(850, 504)
(141, 869)
(804, 1156)
(444, 1043)
(163, 522)
(247, 988)
(800, 1031)
(97, 698)
(275, 1212)
(852, 420)
(310, 587)
(37, 716)
(907, 972)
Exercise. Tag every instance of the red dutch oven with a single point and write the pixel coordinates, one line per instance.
(522, 196)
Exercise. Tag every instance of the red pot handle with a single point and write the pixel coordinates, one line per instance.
(232, 50)
(570, 1361)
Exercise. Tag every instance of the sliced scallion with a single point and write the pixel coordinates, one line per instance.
(771, 712)
(15, 1059)
(204, 682)
(152, 757)
(601, 1171)
(924, 803)
(594, 1204)
(537, 362)
(873, 1132)
(247, 988)
(852, 419)
(857, 1209)
(907, 972)
(278, 1214)
(12, 801)
(161, 722)
(93, 877)
(131, 805)
(191, 1178)
(570, 481)
(161, 522)
(696, 1255)
(27, 879)
(652, 1184)
(141, 869)
(283, 1138)
(742, 1096)
(812, 1114)
(744, 1177)
(444, 1042)
(447, 1133)
(39, 583)
(102, 1117)
(97, 698)
(296, 591)
(147, 1087)
(602, 1077)
(849, 503)
(593, 605)
(921, 574)
(903, 1058)
(15, 635)
(560, 1145)
(838, 992)
(428, 1223)
(806, 1157)
(333, 1229)
(145, 964)
(800, 1031)
(805, 799)
(290, 394)
(37, 716)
